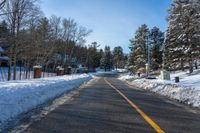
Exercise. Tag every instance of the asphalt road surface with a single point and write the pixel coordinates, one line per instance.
(107, 105)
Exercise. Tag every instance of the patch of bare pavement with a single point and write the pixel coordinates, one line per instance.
(107, 105)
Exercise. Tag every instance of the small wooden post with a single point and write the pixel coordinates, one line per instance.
(69, 69)
(60, 71)
(37, 72)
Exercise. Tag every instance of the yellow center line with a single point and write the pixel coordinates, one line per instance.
(134, 106)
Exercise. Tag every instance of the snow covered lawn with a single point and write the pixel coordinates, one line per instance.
(119, 70)
(187, 91)
(17, 97)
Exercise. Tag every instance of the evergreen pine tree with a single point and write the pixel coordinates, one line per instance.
(106, 60)
(139, 47)
(3, 30)
(156, 40)
(181, 44)
(93, 56)
(118, 56)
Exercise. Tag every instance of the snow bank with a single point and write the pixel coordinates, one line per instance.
(187, 91)
(120, 70)
(17, 97)
(126, 77)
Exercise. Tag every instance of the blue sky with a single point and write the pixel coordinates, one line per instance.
(113, 22)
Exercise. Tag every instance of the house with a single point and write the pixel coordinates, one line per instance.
(1, 50)
(3, 58)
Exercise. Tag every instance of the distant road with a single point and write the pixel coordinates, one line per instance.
(107, 105)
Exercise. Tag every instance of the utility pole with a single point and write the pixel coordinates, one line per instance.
(148, 58)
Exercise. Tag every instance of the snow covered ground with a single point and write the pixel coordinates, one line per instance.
(17, 97)
(187, 91)
(120, 70)
(127, 77)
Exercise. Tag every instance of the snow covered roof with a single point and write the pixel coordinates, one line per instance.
(60, 68)
(37, 66)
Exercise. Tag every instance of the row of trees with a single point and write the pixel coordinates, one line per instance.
(182, 43)
(33, 39)
(178, 49)
(106, 59)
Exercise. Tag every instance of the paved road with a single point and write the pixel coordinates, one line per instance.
(99, 108)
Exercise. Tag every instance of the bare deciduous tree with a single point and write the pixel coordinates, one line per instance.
(17, 13)
(2, 3)
(72, 35)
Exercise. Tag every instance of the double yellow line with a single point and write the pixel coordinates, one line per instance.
(134, 106)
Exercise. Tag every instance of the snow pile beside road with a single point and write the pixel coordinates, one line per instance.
(17, 97)
(187, 91)
(126, 77)
(188, 95)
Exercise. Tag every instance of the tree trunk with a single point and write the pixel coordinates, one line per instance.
(14, 67)
(196, 65)
(182, 65)
(46, 69)
(9, 70)
(29, 71)
(191, 67)
(20, 73)
(26, 73)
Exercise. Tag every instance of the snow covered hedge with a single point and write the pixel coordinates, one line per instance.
(17, 97)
